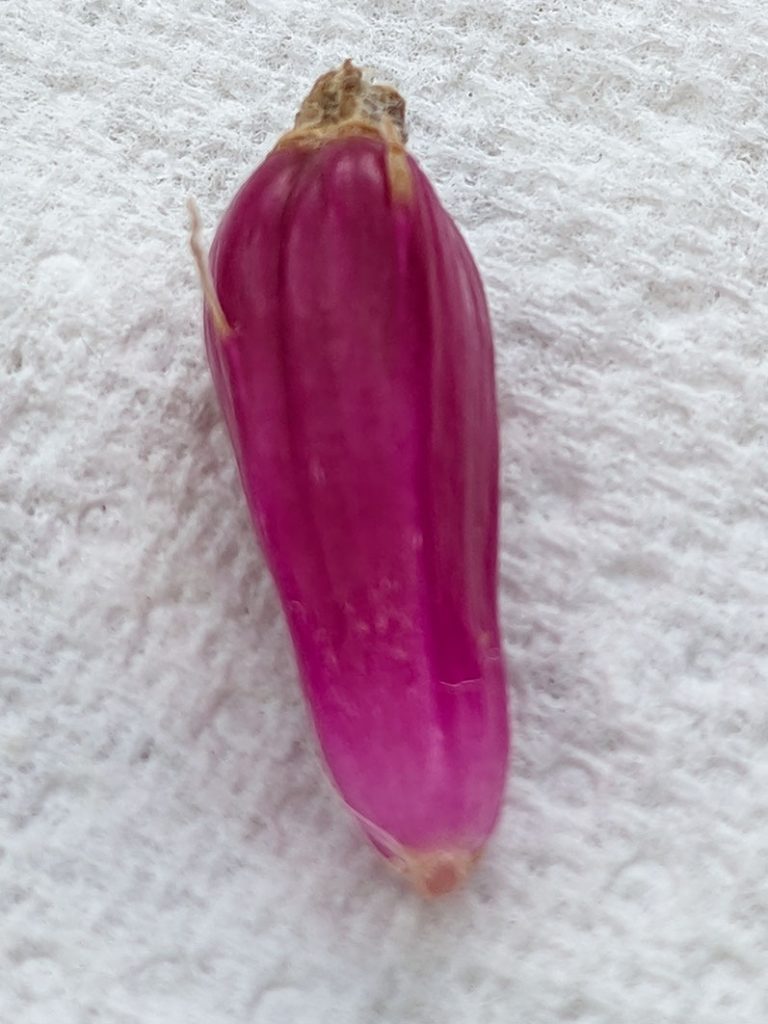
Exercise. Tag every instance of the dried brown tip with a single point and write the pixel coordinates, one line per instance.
(345, 95)
(204, 271)
(436, 874)
(344, 103)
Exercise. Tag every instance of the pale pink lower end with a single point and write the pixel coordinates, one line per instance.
(436, 873)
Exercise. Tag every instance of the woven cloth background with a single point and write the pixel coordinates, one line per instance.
(170, 851)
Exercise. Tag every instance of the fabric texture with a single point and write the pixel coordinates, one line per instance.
(170, 850)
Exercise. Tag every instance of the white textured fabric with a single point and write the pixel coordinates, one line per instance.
(170, 851)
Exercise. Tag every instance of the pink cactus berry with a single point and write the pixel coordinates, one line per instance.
(350, 346)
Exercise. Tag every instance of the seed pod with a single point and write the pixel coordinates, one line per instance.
(350, 346)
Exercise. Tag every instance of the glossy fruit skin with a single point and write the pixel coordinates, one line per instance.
(357, 384)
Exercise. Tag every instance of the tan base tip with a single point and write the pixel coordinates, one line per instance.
(436, 874)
